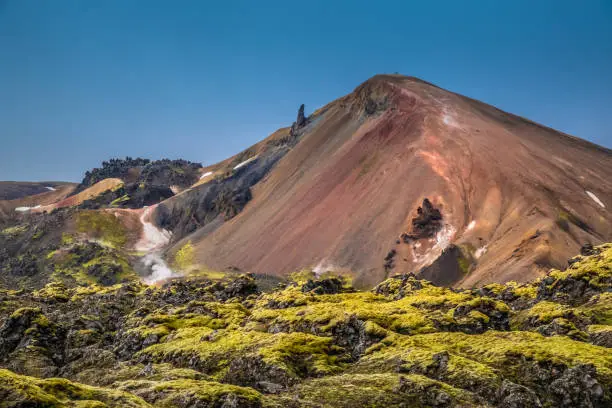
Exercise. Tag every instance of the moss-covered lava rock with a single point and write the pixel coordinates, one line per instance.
(96, 336)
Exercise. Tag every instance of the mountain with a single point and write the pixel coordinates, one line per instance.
(12, 190)
(342, 191)
(394, 248)
(399, 176)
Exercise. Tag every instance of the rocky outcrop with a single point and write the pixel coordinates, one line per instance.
(300, 122)
(312, 342)
(426, 224)
(323, 286)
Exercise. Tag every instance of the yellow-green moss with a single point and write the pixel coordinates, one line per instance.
(173, 392)
(326, 311)
(102, 225)
(120, 200)
(16, 230)
(20, 390)
(367, 390)
(500, 350)
(67, 239)
(185, 257)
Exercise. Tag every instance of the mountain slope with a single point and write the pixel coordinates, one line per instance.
(514, 197)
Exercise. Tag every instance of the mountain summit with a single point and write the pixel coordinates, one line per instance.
(399, 176)
(403, 176)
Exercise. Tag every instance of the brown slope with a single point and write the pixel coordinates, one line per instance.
(7, 207)
(341, 198)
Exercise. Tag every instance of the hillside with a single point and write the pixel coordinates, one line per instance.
(393, 248)
(342, 190)
(399, 176)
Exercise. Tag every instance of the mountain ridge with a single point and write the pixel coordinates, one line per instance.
(361, 167)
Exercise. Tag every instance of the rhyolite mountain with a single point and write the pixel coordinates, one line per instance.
(391, 249)
(398, 176)
(353, 187)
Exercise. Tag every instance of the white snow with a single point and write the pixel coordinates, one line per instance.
(49, 188)
(247, 161)
(444, 237)
(480, 252)
(471, 226)
(25, 209)
(208, 173)
(596, 199)
(441, 241)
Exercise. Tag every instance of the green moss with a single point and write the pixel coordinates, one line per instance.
(504, 351)
(302, 276)
(120, 200)
(67, 239)
(25, 311)
(199, 393)
(474, 314)
(102, 225)
(216, 348)
(185, 257)
(19, 390)
(369, 390)
(597, 269)
(13, 231)
(325, 312)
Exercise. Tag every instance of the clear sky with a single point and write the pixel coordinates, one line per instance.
(85, 80)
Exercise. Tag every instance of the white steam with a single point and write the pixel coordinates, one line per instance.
(153, 240)
(160, 270)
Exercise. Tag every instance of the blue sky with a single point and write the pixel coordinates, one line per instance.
(85, 80)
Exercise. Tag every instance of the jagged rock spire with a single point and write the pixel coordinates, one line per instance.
(301, 119)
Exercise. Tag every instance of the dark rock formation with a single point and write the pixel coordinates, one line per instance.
(139, 171)
(390, 260)
(426, 224)
(299, 122)
(450, 267)
(217, 200)
(323, 286)
(301, 119)
(511, 395)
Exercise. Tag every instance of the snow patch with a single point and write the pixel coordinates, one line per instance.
(444, 237)
(596, 199)
(480, 252)
(26, 209)
(208, 173)
(244, 163)
(441, 241)
(50, 188)
(471, 226)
